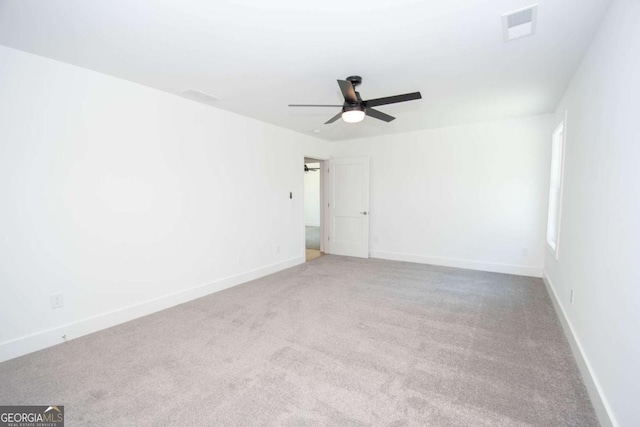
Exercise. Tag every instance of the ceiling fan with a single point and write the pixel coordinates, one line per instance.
(307, 168)
(355, 108)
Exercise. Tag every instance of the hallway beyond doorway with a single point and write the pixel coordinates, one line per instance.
(312, 239)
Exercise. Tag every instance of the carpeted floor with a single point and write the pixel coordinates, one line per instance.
(312, 237)
(336, 341)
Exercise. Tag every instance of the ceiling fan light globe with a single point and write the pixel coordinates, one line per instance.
(353, 116)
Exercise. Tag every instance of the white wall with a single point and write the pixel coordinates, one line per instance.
(471, 196)
(312, 196)
(599, 247)
(128, 200)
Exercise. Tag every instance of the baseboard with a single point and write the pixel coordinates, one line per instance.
(520, 270)
(599, 401)
(40, 340)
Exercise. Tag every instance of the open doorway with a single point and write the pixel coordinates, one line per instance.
(313, 215)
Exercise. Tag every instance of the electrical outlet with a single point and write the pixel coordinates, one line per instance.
(57, 301)
(524, 252)
(571, 297)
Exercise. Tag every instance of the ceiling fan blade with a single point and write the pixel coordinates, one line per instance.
(392, 99)
(334, 118)
(348, 92)
(379, 115)
(312, 105)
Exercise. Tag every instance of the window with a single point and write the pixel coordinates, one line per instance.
(555, 188)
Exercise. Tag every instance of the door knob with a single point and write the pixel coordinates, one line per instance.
(364, 213)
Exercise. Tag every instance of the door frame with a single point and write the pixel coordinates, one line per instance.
(324, 210)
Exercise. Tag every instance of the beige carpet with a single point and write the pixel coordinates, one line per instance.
(337, 341)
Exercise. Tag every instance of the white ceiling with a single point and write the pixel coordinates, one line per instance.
(257, 56)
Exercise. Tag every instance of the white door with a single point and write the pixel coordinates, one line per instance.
(349, 207)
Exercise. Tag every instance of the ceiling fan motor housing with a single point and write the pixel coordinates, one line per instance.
(352, 107)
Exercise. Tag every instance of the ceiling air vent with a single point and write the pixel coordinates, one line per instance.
(520, 23)
(198, 96)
